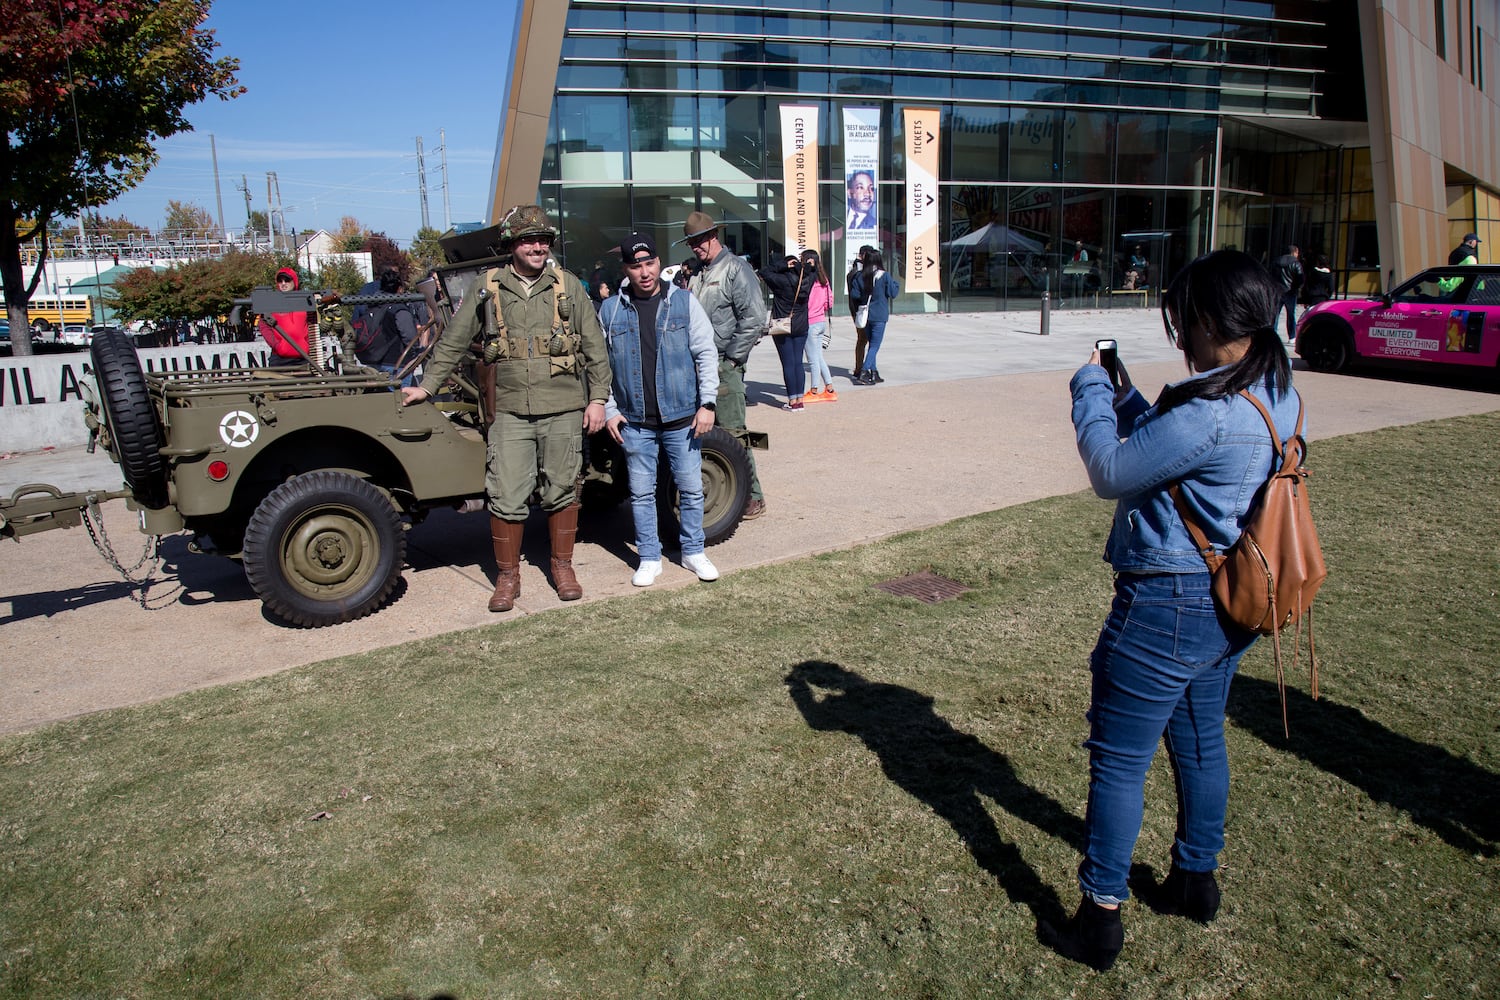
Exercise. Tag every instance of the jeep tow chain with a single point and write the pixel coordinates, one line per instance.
(94, 521)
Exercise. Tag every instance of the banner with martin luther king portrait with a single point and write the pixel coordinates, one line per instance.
(861, 181)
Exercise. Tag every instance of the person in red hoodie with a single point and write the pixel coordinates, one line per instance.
(291, 326)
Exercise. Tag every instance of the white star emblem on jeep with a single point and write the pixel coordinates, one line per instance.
(239, 429)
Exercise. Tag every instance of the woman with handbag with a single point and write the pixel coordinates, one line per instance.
(790, 284)
(1165, 656)
(818, 319)
(877, 289)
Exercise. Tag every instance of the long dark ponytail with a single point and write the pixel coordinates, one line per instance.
(1232, 297)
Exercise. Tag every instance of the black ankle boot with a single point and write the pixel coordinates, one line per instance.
(1195, 895)
(1094, 936)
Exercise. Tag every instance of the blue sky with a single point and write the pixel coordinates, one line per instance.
(337, 94)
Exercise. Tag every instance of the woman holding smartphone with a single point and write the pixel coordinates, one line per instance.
(1165, 657)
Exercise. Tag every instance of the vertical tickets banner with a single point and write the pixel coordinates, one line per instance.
(922, 200)
(799, 156)
(861, 181)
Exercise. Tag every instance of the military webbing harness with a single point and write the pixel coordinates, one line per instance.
(559, 344)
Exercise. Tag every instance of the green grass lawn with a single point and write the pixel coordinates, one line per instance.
(789, 784)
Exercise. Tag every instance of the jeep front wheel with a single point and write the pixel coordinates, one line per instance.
(324, 548)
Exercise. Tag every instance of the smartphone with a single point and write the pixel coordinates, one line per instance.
(1109, 357)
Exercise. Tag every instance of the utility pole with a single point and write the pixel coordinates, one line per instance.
(286, 234)
(245, 187)
(270, 212)
(422, 181)
(443, 146)
(213, 149)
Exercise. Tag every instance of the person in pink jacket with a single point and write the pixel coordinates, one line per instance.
(818, 301)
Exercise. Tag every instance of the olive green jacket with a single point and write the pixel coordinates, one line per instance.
(528, 383)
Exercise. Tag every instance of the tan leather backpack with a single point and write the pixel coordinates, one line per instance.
(1267, 580)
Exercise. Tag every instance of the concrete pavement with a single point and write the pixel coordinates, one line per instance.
(975, 402)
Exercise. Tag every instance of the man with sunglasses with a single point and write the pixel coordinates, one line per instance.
(551, 380)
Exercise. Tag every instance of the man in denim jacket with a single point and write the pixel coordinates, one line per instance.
(662, 398)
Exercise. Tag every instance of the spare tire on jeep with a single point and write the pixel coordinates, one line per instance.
(134, 426)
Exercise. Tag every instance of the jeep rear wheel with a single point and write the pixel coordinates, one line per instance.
(726, 488)
(134, 427)
(1325, 345)
(324, 548)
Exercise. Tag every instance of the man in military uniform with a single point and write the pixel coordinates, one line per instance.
(729, 291)
(551, 380)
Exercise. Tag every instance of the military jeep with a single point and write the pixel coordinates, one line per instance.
(311, 475)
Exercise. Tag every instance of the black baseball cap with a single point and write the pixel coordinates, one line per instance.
(634, 246)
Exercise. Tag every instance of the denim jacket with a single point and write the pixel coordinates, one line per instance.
(687, 364)
(1219, 449)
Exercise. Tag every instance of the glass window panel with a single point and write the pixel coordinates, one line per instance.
(587, 47)
(662, 122)
(874, 56)
(597, 17)
(796, 26)
(1088, 146)
(862, 83)
(644, 75)
(740, 23)
(927, 32)
(987, 88)
(1044, 12)
(660, 210)
(645, 19)
(1087, 42)
(591, 76)
(1141, 149)
(980, 62)
(740, 208)
(654, 47)
(872, 29)
(594, 219)
(934, 86)
(1033, 145)
(1190, 151)
(592, 138)
(976, 143)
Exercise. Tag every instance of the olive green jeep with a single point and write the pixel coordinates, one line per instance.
(311, 475)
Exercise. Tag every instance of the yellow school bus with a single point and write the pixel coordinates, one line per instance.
(59, 310)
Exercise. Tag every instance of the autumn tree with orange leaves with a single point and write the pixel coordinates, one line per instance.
(87, 89)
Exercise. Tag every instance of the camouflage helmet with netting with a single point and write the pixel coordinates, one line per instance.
(526, 220)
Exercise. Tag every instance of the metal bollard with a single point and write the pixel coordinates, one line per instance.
(1046, 313)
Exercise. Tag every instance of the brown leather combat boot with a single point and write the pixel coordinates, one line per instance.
(506, 536)
(563, 527)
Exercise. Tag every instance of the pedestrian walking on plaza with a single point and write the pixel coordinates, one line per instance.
(1319, 284)
(858, 313)
(665, 383)
(551, 380)
(790, 284)
(1288, 270)
(881, 289)
(726, 286)
(1165, 657)
(818, 317)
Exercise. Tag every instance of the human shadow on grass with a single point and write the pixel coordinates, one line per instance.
(944, 768)
(1454, 798)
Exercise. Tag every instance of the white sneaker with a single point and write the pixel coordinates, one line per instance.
(647, 574)
(698, 563)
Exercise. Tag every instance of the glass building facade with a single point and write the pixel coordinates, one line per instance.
(1158, 129)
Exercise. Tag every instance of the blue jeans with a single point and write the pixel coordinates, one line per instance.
(817, 368)
(877, 334)
(790, 350)
(1289, 306)
(1163, 664)
(685, 456)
